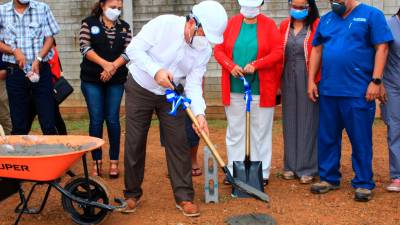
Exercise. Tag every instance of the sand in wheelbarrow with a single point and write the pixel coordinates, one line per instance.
(251, 219)
(41, 149)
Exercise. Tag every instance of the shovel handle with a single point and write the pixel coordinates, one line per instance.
(206, 138)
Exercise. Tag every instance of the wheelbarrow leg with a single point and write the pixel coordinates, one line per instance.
(24, 202)
(28, 210)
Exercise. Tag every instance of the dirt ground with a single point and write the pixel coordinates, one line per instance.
(291, 203)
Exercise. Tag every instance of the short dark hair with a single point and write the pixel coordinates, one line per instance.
(398, 12)
(313, 12)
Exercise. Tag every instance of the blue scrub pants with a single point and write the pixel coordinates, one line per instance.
(391, 116)
(356, 115)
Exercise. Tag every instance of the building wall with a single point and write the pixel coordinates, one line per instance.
(69, 13)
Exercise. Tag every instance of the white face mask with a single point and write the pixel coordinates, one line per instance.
(250, 12)
(199, 43)
(112, 14)
(24, 2)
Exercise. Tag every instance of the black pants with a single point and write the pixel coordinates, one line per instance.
(60, 124)
(140, 105)
(20, 92)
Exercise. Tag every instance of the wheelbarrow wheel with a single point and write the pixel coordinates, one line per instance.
(83, 214)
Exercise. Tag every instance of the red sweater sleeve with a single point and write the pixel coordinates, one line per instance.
(275, 55)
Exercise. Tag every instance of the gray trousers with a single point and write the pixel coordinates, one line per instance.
(5, 119)
(391, 116)
(140, 105)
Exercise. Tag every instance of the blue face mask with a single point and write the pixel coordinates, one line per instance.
(298, 14)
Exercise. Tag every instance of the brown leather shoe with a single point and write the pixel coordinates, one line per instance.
(131, 205)
(188, 209)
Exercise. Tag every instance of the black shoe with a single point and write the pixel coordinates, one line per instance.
(323, 187)
(265, 182)
(362, 195)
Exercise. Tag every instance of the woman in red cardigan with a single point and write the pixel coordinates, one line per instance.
(299, 114)
(252, 48)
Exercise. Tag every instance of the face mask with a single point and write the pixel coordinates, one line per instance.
(199, 43)
(250, 12)
(112, 14)
(338, 8)
(298, 14)
(24, 2)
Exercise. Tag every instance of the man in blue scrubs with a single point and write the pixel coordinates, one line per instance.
(351, 43)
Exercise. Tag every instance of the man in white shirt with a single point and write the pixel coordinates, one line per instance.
(168, 49)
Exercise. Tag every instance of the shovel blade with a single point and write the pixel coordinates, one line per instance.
(249, 173)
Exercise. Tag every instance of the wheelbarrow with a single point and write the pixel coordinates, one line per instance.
(43, 160)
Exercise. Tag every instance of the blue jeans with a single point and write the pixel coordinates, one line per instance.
(356, 115)
(103, 102)
(21, 91)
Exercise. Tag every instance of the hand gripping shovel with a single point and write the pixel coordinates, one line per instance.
(175, 97)
(249, 172)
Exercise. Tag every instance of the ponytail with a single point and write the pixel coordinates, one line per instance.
(97, 11)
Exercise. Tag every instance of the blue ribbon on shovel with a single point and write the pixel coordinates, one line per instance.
(247, 93)
(176, 100)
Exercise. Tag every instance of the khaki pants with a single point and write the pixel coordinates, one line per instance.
(5, 119)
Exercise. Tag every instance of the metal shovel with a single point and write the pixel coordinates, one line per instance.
(249, 172)
(238, 184)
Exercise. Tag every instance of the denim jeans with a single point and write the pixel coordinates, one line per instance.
(103, 102)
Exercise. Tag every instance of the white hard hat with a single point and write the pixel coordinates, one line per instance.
(213, 19)
(250, 3)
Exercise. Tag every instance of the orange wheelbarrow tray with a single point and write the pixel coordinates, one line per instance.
(43, 160)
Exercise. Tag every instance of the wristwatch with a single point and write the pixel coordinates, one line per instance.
(377, 81)
(40, 59)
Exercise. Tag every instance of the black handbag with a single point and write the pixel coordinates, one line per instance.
(62, 88)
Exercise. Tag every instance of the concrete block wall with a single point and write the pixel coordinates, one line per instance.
(277, 9)
(69, 14)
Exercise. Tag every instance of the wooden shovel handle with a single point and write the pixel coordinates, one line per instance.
(206, 138)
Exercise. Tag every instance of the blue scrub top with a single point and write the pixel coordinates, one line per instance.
(348, 54)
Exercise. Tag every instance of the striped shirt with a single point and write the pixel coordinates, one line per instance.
(27, 31)
(84, 38)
